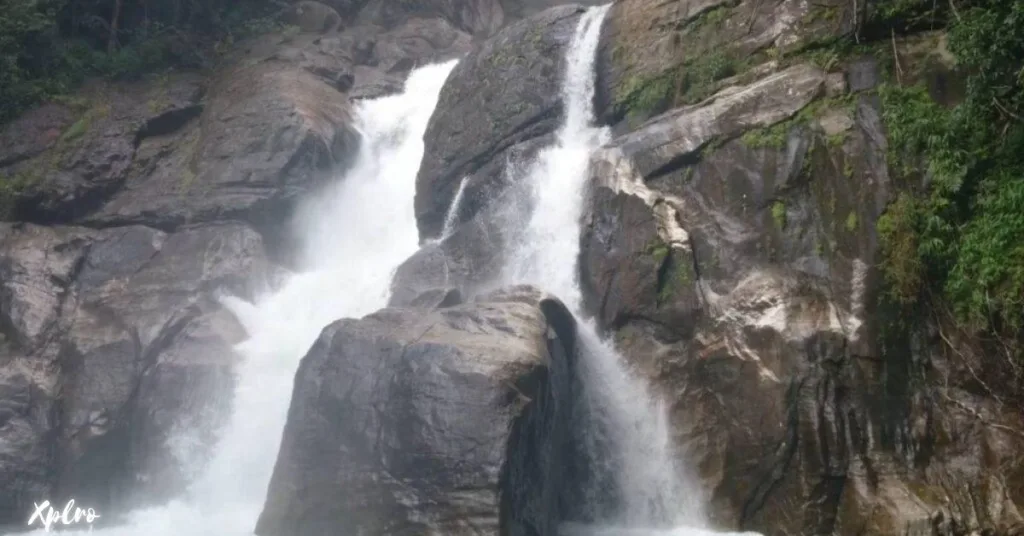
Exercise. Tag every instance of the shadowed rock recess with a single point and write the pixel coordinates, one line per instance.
(729, 248)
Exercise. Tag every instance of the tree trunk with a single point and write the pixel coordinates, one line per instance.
(114, 19)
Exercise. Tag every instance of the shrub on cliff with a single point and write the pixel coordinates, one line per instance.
(964, 232)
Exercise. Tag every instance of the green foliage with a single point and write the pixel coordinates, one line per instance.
(903, 268)
(987, 280)
(47, 47)
(688, 83)
(964, 233)
(657, 250)
(24, 26)
(773, 137)
(779, 215)
(714, 17)
(851, 222)
(825, 58)
(836, 140)
(907, 15)
(679, 277)
(10, 187)
(641, 97)
(699, 75)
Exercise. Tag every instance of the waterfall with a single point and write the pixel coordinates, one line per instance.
(352, 237)
(628, 436)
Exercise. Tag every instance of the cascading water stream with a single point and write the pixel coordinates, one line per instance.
(634, 445)
(352, 238)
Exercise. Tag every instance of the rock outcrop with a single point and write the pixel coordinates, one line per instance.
(658, 55)
(495, 110)
(731, 248)
(430, 422)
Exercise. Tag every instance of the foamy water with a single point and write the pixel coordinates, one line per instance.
(351, 239)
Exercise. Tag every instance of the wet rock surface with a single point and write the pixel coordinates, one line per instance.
(741, 278)
(496, 103)
(409, 421)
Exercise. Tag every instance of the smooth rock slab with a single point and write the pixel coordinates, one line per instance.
(505, 93)
(449, 422)
(668, 138)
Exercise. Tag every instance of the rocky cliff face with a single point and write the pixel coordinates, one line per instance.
(732, 249)
(729, 246)
(129, 209)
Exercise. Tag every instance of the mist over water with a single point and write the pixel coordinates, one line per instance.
(351, 236)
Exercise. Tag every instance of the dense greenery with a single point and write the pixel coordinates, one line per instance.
(957, 231)
(48, 46)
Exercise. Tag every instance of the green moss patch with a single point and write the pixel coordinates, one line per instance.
(779, 215)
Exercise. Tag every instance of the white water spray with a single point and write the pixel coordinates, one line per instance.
(451, 219)
(657, 496)
(352, 237)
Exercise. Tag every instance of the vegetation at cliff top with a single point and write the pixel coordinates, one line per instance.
(957, 230)
(49, 46)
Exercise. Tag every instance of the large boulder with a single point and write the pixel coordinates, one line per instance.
(451, 420)
(637, 261)
(496, 105)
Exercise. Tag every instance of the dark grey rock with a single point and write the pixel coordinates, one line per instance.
(33, 132)
(503, 94)
(88, 160)
(437, 299)
(27, 420)
(37, 268)
(267, 134)
(449, 422)
(863, 74)
(782, 389)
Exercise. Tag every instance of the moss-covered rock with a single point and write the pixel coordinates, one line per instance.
(657, 55)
